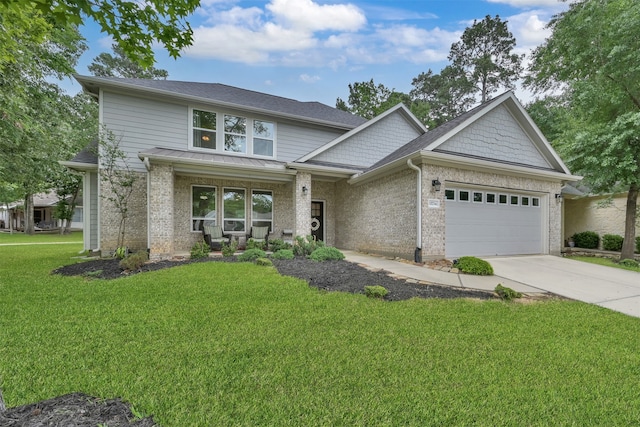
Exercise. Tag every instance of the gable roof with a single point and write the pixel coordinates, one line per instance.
(433, 140)
(401, 108)
(87, 159)
(228, 96)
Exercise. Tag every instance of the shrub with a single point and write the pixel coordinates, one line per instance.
(277, 244)
(283, 254)
(306, 246)
(586, 240)
(200, 250)
(473, 265)
(630, 263)
(507, 294)
(251, 255)
(376, 291)
(121, 252)
(229, 249)
(638, 245)
(264, 262)
(326, 253)
(612, 242)
(134, 261)
(254, 244)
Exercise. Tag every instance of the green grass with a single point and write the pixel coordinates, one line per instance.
(237, 344)
(603, 261)
(19, 237)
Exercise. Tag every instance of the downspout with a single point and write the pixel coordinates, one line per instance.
(417, 254)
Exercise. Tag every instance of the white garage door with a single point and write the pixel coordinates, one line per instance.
(488, 222)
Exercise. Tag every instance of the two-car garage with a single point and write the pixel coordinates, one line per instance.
(486, 221)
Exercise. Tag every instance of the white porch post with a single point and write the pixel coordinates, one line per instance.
(302, 203)
(161, 218)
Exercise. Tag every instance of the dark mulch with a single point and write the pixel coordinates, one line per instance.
(340, 276)
(73, 410)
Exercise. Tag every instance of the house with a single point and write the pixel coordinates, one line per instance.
(44, 205)
(484, 183)
(585, 211)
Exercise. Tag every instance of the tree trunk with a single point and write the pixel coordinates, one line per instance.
(29, 226)
(629, 244)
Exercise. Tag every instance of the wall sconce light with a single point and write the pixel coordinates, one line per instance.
(558, 197)
(305, 190)
(436, 184)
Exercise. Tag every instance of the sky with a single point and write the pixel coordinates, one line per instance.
(311, 50)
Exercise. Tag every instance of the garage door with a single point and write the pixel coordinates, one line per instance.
(487, 222)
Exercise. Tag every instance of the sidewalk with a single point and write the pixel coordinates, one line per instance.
(425, 274)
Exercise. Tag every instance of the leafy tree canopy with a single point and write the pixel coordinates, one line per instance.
(134, 25)
(485, 53)
(119, 65)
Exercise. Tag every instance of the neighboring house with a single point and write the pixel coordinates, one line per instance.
(44, 205)
(584, 211)
(484, 183)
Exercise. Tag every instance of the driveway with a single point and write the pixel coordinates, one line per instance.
(608, 287)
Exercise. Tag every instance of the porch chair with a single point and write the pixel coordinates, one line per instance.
(260, 234)
(215, 237)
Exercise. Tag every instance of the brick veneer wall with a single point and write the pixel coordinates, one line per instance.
(380, 216)
(161, 212)
(136, 224)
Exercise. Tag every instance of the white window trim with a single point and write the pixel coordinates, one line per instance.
(506, 203)
(517, 198)
(460, 198)
(272, 208)
(535, 206)
(224, 218)
(528, 205)
(454, 194)
(192, 218)
(220, 132)
(473, 198)
(495, 198)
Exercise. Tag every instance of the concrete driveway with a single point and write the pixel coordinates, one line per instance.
(608, 287)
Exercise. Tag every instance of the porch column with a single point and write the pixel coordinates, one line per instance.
(302, 203)
(160, 212)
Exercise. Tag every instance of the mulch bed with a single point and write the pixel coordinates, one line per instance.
(80, 410)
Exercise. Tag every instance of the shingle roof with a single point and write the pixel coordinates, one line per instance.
(233, 96)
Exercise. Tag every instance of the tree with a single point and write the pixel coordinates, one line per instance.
(550, 115)
(593, 55)
(485, 54)
(118, 180)
(134, 25)
(448, 94)
(119, 65)
(365, 99)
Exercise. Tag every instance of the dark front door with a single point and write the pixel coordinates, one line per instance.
(317, 220)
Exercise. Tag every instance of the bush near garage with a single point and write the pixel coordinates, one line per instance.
(473, 265)
(612, 242)
(638, 245)
(326, 253)
(586, 240)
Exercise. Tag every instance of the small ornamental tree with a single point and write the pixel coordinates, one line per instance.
(118, 179)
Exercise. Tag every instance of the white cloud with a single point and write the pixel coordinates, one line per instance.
(314, 17)
(309, 79)
(529, 28)
(528, 3)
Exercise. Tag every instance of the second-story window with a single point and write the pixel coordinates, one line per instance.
(263, 138)
(235, 134)
(204, 129)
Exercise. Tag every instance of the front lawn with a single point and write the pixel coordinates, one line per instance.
(603, 261)
(237, 344)
(40, 237)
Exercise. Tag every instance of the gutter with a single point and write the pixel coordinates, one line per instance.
(417, 255)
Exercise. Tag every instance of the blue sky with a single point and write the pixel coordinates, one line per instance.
(311, 50)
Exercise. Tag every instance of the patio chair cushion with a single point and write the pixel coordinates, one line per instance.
(259, 233)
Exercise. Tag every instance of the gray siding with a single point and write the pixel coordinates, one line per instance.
(296, 141)
(497, 136)
(92, 210)
(144, 123)
(373, 143)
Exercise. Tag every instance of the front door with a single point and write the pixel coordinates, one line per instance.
(317, 220)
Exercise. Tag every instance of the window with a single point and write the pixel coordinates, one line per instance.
(513, 200)
(204, 129)
(235, 134)
(450, 194)
(463, 196)
(234, 209)
(77, 214)
(263, 133)
(491, 198)
(203, 207)
(535, 202)
(524, 201)
(262, 208)
(477, 197)
(502, 199)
